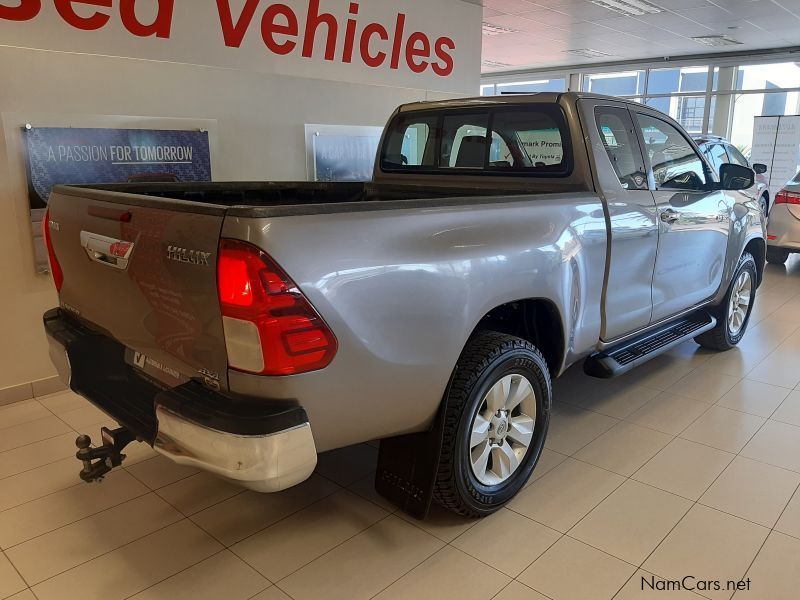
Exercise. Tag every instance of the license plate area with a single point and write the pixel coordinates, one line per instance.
(154, 370)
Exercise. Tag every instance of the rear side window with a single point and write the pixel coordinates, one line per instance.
(737, 157)
(619, 138)
(520, 140)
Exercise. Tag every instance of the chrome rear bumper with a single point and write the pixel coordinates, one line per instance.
(259, 443)
(265, 463)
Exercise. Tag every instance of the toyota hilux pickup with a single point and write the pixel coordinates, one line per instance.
(243, 328)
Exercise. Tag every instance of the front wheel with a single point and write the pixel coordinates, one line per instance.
(496, 417)
(733, 314)
(763, 202)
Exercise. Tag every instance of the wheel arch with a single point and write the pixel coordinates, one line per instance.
(758, 248)
(536, 320)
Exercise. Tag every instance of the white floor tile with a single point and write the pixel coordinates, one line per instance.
(752, 490)
(555, 573)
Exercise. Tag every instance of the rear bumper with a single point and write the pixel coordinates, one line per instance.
(785, 228)
(261, 444)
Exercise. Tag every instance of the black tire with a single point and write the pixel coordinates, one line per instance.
(777, 256)
(721, 337)
(487, 358)
(763, 202)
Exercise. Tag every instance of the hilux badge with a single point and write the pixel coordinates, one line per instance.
(195, 257)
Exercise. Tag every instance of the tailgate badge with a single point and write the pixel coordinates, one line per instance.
(195, 257)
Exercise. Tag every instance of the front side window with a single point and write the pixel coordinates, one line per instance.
(616, 131)
(531, 140)
(737, 157)
(673, 160)
(717, 156)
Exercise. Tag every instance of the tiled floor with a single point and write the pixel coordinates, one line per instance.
(688, 466)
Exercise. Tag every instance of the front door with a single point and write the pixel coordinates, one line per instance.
(693, 220)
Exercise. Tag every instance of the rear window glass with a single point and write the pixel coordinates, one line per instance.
(521, 140)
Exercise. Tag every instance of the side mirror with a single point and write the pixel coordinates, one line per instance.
(759, 168)
(736, 177)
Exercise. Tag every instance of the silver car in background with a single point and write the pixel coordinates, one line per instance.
(783, 230)
(718, 151)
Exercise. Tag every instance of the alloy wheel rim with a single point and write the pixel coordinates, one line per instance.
(502, 429)
(740, 302)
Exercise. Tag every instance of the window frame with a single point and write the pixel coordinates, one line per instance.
(628, 120)
(708, 175)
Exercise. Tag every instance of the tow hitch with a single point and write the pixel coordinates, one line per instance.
(99, 461)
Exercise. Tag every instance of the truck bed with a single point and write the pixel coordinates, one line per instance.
(279, 198)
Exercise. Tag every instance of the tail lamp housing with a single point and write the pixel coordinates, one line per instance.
(270, 326)
(55, 268)
(786, 197)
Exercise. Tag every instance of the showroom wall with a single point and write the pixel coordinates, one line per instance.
(255, 110)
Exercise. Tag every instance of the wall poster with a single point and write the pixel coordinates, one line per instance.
(776, 143)
(341, 153)
(60, 155)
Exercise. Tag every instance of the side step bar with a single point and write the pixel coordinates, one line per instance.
(620, 359)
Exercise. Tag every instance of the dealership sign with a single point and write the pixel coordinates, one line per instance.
(415, 43)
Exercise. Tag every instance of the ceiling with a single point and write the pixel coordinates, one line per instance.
(522, 34)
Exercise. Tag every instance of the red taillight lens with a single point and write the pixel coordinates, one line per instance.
(784, 197)
(270, 326)
(55, 268)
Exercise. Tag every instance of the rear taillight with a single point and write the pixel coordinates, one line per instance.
(55, 268)
(784, 197)
(270, 326)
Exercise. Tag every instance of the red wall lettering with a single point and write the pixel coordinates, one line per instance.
(413, 52)
(160, 27)
(269, 28)
(90, 23)
(350, 35)
(443, 44)
(398, 41)
(373, 60)
(283, 31)
(234, 33)
(313, 21)
(26, 10)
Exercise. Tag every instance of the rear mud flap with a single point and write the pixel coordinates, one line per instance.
(407, 467)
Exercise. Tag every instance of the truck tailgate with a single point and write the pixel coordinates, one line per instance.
(143, 271)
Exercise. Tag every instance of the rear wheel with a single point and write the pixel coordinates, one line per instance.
(763, 202)
(496, 418)
(733, 314)
(777, 256)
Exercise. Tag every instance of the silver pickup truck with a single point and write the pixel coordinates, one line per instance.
(242, 328)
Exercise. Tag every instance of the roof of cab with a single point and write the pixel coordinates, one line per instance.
(505, 99)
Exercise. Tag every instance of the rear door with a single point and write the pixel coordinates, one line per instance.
(143, 271)
(693, 221)
(627, 302)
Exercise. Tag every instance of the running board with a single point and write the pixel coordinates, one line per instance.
(620, 359)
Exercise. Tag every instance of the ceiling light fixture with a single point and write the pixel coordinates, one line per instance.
(716, 40)
(587, 53)
(630, 8)
(492, 29)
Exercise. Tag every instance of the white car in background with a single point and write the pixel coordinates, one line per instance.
(783, 230)
(718, 151)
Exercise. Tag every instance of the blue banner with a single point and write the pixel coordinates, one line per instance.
(345, 157)
(58, 155)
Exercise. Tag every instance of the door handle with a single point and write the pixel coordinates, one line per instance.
(670, 215)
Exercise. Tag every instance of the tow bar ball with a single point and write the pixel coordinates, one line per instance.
(100, 460)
